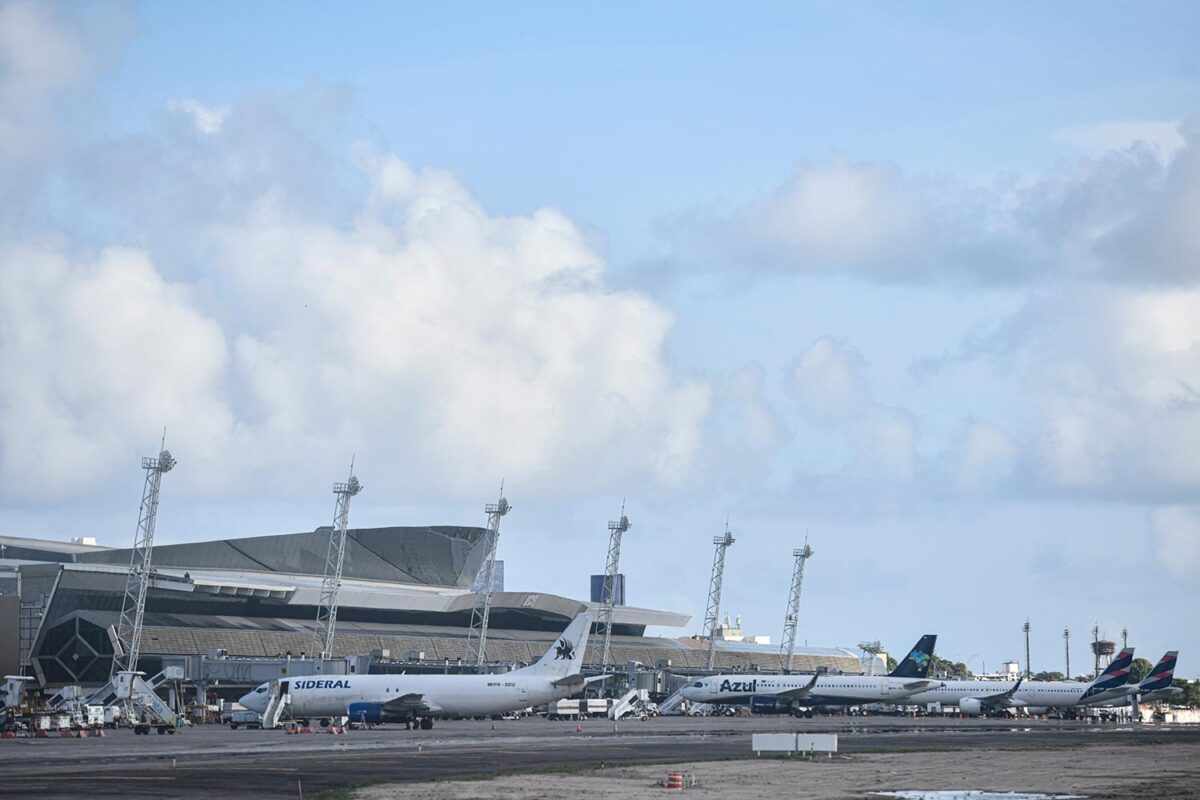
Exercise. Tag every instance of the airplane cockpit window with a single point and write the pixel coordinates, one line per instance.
(260, 690)
(698, 685)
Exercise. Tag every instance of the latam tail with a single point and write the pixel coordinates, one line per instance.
(1162, 676)
(916, 664)
(565, 656)
(1115, 676)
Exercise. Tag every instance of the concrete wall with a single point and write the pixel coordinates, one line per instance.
(10, 651)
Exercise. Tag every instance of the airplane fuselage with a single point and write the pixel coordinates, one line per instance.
(466, 695)
(829, 690)
(1037, 694)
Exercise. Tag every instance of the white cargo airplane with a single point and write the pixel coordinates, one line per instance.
(980, 697)
(417, 699)
(784, 692)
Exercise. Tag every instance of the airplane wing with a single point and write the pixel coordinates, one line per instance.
(800, 693)
(410, 703)
(916, 687)
(577, 681)
(1003, 699)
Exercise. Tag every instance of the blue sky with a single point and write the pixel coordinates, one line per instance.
(919, 281)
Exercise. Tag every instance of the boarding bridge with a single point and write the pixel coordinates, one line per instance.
(277, 704)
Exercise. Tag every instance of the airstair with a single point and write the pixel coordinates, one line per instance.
(673, 704)
(277, 704)
(629, 703)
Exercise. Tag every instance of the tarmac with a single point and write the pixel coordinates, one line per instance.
(214, 761)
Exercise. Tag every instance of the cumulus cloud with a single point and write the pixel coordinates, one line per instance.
(1122, 216)
(1097, 140)
(98, 356)
(208, 120)
(828, 381)
(285, 306)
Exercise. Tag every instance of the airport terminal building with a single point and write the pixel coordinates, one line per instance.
(406, 597)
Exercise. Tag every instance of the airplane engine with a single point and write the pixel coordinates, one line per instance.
(970, 707)
(373, 713)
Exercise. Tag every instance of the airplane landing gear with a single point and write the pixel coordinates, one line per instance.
(426, 723)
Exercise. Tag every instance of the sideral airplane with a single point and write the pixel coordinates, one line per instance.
(975, 697)
(417, 699)
(781, 692)
(1158, 686)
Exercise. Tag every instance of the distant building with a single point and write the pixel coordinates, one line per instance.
(734, 633)
(597, 595)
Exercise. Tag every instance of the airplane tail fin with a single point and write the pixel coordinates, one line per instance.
(1163, 674)
(565, 656)
(916, 663)
(1115, 675)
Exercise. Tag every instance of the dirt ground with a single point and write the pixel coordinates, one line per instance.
(1146, 773)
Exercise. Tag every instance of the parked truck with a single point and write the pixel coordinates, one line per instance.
(578, 709)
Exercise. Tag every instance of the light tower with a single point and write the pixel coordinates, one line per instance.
(616, 529)
(137, 581)
(477, 634)
(1067, 649)
(1028, 669)
(713, 612)
(788, 645)
(335, 556)
(1124, 638)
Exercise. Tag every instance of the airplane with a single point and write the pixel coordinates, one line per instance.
(1156, 686)
(779, 692)
(416, 699)
(975, 697)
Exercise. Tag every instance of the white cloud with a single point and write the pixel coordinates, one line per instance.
(208, 120)
(830, 384)
(1163, 137)
(987, 457)
(98, 356)
(1176, 531)
(1123, 216)
(39, 57)
(448, 346)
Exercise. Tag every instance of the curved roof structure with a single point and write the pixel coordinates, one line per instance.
(435, 555)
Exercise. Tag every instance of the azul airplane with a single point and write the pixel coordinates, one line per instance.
(981, 697)
(778, 692)
(417, 699)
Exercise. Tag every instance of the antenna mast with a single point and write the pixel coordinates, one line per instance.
(713, 612)
(788, 645)
(137, 582)
(615, 530)
(335, 556)
(477, 635)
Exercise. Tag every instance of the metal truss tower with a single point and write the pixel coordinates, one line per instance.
(713, 612)
(790, 619)
(477, 635)
(335, 557)
(615, 530)
(137, 582)
(1028, 666)
(1067, 649)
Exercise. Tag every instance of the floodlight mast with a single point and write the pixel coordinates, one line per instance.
(713, 611)
(792, 617)
(616, 530)
(335, 557)
(137, 580)
(476, 650)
